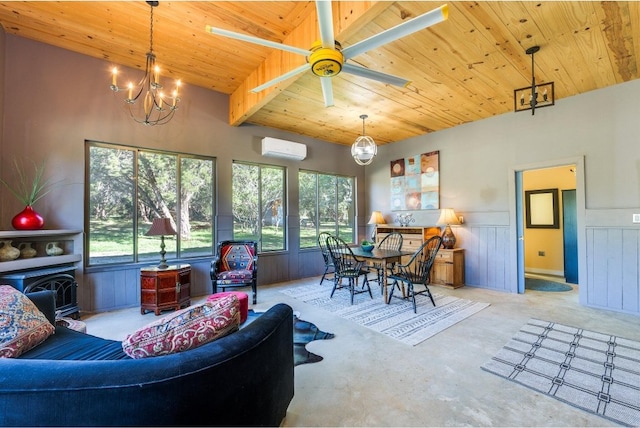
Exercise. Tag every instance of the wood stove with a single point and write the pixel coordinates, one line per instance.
(60, 279)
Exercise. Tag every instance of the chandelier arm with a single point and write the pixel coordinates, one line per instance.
(155, 108)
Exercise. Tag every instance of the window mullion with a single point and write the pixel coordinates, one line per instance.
(136, 205)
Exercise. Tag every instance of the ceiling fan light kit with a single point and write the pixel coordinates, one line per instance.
(156, 107)
(534, 96)
(326, 58)
(364, 149)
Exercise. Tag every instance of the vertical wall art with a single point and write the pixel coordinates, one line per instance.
(415, 182)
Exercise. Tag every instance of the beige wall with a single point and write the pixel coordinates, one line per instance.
(547, 241)
(55, 99)
(478, 162)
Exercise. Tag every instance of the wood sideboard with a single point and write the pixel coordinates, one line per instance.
(412, 236)
(448, 268)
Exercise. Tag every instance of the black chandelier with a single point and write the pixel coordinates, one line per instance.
(534, 96)
(156, 107)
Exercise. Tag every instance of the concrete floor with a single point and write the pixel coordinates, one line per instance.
(369, 379)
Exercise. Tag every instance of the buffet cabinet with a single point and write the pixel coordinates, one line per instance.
(412, 237)
(448, 267)
(162, 289)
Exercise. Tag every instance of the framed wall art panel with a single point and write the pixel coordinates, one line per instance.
(542, 209)
(415, 182)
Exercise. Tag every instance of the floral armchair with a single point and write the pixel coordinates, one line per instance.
(235, 265)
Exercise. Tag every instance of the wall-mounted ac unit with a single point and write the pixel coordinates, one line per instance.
(283, 149)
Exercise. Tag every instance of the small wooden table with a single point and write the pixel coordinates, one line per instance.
(162, 289)
(383, 257)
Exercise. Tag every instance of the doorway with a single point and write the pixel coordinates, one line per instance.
(519, 262)
(545, 214)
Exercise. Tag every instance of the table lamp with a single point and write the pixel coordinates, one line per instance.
(161, 227)
(447, 218)
(376, 218)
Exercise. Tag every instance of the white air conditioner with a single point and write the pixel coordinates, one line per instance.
(283, 149)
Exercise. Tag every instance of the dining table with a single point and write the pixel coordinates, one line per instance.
(383, 257)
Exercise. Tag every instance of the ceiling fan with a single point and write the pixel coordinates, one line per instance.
(327, 59)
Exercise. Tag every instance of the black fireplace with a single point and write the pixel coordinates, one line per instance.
(60, 279)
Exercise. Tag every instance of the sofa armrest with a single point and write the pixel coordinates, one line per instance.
(45, 301)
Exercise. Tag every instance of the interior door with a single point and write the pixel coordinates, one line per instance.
(570, 235)
(520, 231)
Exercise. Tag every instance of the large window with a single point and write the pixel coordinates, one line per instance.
(258, 205)
(326, 205)
(128, 187)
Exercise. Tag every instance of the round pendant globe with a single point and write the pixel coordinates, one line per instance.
(363, 150)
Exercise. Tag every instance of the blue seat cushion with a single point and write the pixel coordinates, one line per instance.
(67, 344)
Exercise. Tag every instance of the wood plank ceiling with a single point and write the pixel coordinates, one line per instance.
(462, 70)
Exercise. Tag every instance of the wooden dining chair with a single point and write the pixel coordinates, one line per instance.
(393, 241)
(416, 272)
(328, 263)
(347, 266)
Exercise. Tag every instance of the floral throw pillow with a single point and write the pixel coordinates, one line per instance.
(185, 329)
(22, 325)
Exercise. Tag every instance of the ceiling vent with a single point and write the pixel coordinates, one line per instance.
(283, 149)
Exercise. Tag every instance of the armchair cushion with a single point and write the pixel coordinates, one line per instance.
(22, 325)
(240, 276)
(236, 257)
(185, 329)
(235, 265)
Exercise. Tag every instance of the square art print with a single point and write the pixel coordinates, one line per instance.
(415, 182)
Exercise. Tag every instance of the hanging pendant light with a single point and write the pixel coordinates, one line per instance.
(536, 95)
(364, 149)
(155, 106)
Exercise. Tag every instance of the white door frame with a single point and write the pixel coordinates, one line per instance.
(516, 215)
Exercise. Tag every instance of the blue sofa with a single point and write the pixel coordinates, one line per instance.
(75, 379)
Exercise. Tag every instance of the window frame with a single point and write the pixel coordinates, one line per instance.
(284, 205)
(135, 256)
(336, 230)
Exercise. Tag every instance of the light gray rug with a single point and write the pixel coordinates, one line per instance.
(592, 371)
(396, 319)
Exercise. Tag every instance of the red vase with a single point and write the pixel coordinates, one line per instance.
(28, 219)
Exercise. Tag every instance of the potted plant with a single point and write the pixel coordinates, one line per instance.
(28, 188)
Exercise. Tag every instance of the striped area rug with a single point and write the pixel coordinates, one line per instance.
(596, 372)
(396, 319)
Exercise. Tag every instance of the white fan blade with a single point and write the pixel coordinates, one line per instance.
(285, 76)
(256, 40)
(325, 21)
(374, 75)
(327, 91)
(401, 30)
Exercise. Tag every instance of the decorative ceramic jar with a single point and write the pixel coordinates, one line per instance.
(27, 219)
(7, 251)
(26, 250)
(53, 249)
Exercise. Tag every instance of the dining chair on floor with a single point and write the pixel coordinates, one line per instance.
(416, 272)
(393, 241)
(328, 263)
(347, 267)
